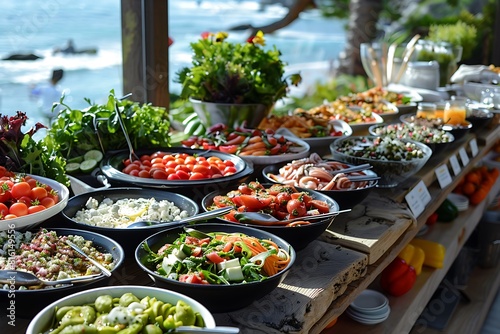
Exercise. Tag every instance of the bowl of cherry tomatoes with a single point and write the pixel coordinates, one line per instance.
(282, 202)
(27, 200)
(175, 167)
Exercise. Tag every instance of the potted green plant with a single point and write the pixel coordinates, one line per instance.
(233, 83)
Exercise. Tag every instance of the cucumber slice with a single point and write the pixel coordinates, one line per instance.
(72, 167)
(76, 159)
(88, 165)
(93, 155)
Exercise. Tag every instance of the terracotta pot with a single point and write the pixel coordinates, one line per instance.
(230, 114)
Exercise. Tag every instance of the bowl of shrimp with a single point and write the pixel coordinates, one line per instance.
(325, 176)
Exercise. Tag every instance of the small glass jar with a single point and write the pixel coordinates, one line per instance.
(455, 112)
(440, 109)
(426, 110)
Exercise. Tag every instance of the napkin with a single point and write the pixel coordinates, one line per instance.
(473, 72)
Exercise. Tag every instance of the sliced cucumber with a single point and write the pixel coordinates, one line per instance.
(88, 165)
(76, 159)
(72, 167)
(93, 155)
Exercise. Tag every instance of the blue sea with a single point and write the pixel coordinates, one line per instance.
(30, 26)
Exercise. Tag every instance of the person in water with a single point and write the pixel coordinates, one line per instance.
(46, 95)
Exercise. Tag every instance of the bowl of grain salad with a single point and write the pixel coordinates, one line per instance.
(393, 159)
(45, 253)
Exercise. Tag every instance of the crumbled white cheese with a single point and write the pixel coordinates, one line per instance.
(123, 212)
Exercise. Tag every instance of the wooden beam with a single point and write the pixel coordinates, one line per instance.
(145, 50)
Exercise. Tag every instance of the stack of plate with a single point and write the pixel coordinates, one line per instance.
(460, 201)
(369, 308)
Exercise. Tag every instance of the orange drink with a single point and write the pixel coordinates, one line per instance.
(426, 110)
(454, 112)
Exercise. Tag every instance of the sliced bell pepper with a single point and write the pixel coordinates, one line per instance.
(398, 277)
(434, 252)
(414, 256)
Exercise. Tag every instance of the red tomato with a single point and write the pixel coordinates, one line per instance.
(48, 201)
(130, 168)
(173, 177)
(296, 208)
(321, 206)
(222, 201)
(10, 216)
(4, 210)
(134, 172)
(19, 209)
(25, 199)
(32, 182)
(254, 203)
(38, 193)
(159, 174)
(5, 195)
(202, 170)
(245, 189)
(183, 175)
(197, 176)
(144, 174)
(54, 195)
(214, 257)
(36, 208)
(229, 170)
(283, 198)
(20, 189)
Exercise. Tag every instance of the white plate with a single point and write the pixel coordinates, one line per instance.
(321, 145)
(382, 313)
(34, 219)
(367, 321)
(300, 151)
(369, 300)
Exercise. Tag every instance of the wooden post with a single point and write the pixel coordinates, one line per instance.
(145, 50)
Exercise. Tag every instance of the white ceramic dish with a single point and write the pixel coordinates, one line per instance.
(300, 151)
(367, 320)
(460, 201)
(369, 300)
(32, 220)
(382, 313)
(362, 128)
(42, 321)
(321, 145)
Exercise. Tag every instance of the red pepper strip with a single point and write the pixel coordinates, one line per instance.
(398, 277)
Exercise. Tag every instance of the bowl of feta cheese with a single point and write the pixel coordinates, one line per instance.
(111, 211)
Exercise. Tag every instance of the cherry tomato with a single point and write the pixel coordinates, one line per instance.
(32, 182)
(20, 189)
(183, 175)
(38, 193)
(19, 209)
(5, 195)
(296, 208)
(36, 208)
(48, 202)
(144, 174)
(173, 177)
(214, 257)
(4, 210)
(26, 200)
(159, 175)
(197, 176)
(254, 203)
(321, 206)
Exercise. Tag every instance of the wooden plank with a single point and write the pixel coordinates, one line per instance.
(145, 51)
(321, 274)
(371, 227)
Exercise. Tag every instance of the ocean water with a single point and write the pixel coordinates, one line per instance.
(32, 26)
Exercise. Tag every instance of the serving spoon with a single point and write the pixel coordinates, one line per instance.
(23, 278)
(200, 216)
(265, 219)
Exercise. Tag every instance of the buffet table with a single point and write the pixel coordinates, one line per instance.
(333, 270)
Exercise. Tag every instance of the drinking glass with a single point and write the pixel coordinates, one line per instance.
(455, 111)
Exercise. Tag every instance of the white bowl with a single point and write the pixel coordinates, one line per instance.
(371, 314)
(33, 219)
(43, 319)
(367, 320)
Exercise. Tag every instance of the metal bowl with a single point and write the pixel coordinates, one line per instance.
(299, 236)
(112, 166)
(128, 237)
(29, 302)
(214, 297)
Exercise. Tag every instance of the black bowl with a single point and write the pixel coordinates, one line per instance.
(127, 237)
(299, 236)
(217, 298)
(30, 302)
(480, 117)
(346, 199)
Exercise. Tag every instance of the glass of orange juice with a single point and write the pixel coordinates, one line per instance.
(455, 112)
